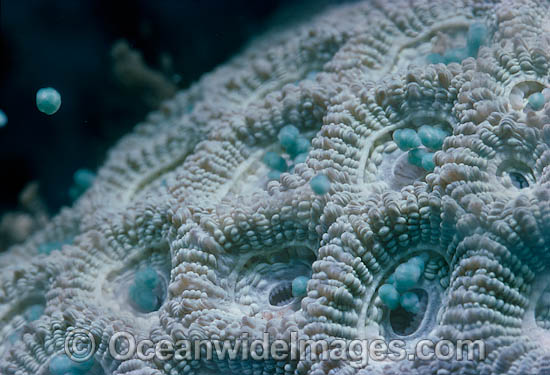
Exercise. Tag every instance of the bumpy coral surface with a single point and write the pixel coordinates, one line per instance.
(429, 124)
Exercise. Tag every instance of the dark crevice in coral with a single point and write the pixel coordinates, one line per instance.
(405, 323)
(281, 294)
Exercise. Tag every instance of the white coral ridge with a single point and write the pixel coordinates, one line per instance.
(184, 236)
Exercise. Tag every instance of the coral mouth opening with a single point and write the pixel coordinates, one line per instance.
(518, 180)
(281, 294)
(542, 310)
(520, 175)
(405, 323)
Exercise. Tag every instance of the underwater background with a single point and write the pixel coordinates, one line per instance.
(112, 62)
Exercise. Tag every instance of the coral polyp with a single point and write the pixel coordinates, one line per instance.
(333, 182)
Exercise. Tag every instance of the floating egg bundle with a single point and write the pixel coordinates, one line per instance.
(421, 145)
(295, 147)
(396, 292)
(477, 34)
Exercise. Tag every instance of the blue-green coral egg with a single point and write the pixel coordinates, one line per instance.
(389, 296)
(3, 119)
(33, 312)
(275, 161)
(311, 75)
(435, 58)
(301, 145)
(536, 101)
(288, 136)
(477, 33)
(47, 248)
(406, 276)
(274, 175)
(144, 290)
(415, 156)
(62, 365)
(432, 137)
(84, 178)
(410, 302)
(428, 161)
(455, 55)
(300, 158)
(419, 261)
(299, 286)
(48, 100)
(406, 139)
(145, 300)
(320, 184)
(12, 338)
(147, 278)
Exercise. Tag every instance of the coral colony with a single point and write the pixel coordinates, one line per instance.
(378, 172)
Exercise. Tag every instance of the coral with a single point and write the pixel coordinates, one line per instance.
(186, 232)
(31, 215)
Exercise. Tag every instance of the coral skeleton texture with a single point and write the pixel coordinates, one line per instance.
(428, 123)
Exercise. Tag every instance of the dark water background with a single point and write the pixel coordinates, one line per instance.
(66, 44)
